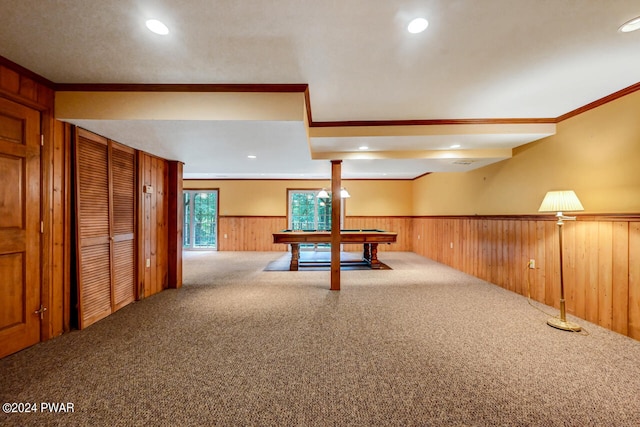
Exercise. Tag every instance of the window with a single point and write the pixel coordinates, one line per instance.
(200, 229)
(308, 212)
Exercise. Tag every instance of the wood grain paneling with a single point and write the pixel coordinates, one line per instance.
(620, 278)
(153, 230)
(250, 233)
(59, 237)
(11, 202)
(634, 280)
(400, 225)
(255, 233)
(175, 224)
(27, 88)
(601, 260)
(13, 292)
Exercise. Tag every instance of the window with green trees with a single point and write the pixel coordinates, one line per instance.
(200, 229)
(308, 212)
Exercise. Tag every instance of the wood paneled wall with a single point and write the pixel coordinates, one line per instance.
(176, 223)
(401, 225)
(60, 213)
(25, 87)
(250, 233)
(153, 249)
(601, 260)
(255, 233)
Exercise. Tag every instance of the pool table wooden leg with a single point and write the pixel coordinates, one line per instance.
(295, 256)
(367, 252)
(374, 256)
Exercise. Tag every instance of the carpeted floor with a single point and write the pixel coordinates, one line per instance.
(421, 344)
(321, 261)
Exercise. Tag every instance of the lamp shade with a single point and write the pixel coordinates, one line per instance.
(344, 194)
(323, 194)
(560, 201)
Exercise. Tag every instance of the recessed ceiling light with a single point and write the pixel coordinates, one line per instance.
(631, 25)
(363, 147)
(157, 27)
(418, 25)
(455, 146)
(251, 156)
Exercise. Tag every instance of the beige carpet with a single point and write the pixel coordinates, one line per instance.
(421, 344)
(321, 261)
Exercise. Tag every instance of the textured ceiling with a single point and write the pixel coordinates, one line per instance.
(490, 59)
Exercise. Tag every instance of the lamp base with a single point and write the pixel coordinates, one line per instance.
(563, 325)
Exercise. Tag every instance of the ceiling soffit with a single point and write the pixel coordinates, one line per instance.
(488, 139)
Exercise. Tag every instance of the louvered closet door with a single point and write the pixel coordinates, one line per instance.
(123, 202)
(105, 208)
(93, 235)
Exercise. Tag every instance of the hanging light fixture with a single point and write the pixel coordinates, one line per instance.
(322, 194)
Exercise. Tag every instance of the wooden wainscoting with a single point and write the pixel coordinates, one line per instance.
(250, 233)
(403, 225)
(255, 233)
(601, 260)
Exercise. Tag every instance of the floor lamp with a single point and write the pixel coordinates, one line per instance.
(561, 201)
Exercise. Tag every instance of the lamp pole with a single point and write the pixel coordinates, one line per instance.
(562, 322)
(559, 201)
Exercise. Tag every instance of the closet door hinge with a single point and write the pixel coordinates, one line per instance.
(41, 227)
(42, 140)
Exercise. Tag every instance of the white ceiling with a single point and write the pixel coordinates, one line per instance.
(489, 59)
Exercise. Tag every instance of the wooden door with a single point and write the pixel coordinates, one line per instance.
(93, 238)
(123, 179)
(19, 227)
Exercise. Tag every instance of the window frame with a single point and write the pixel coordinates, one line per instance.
(190, 223)
(314, 192)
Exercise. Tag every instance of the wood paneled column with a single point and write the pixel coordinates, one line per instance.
(176, 220)
(336, 183)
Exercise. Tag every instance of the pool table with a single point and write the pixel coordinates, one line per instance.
(369, 238)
